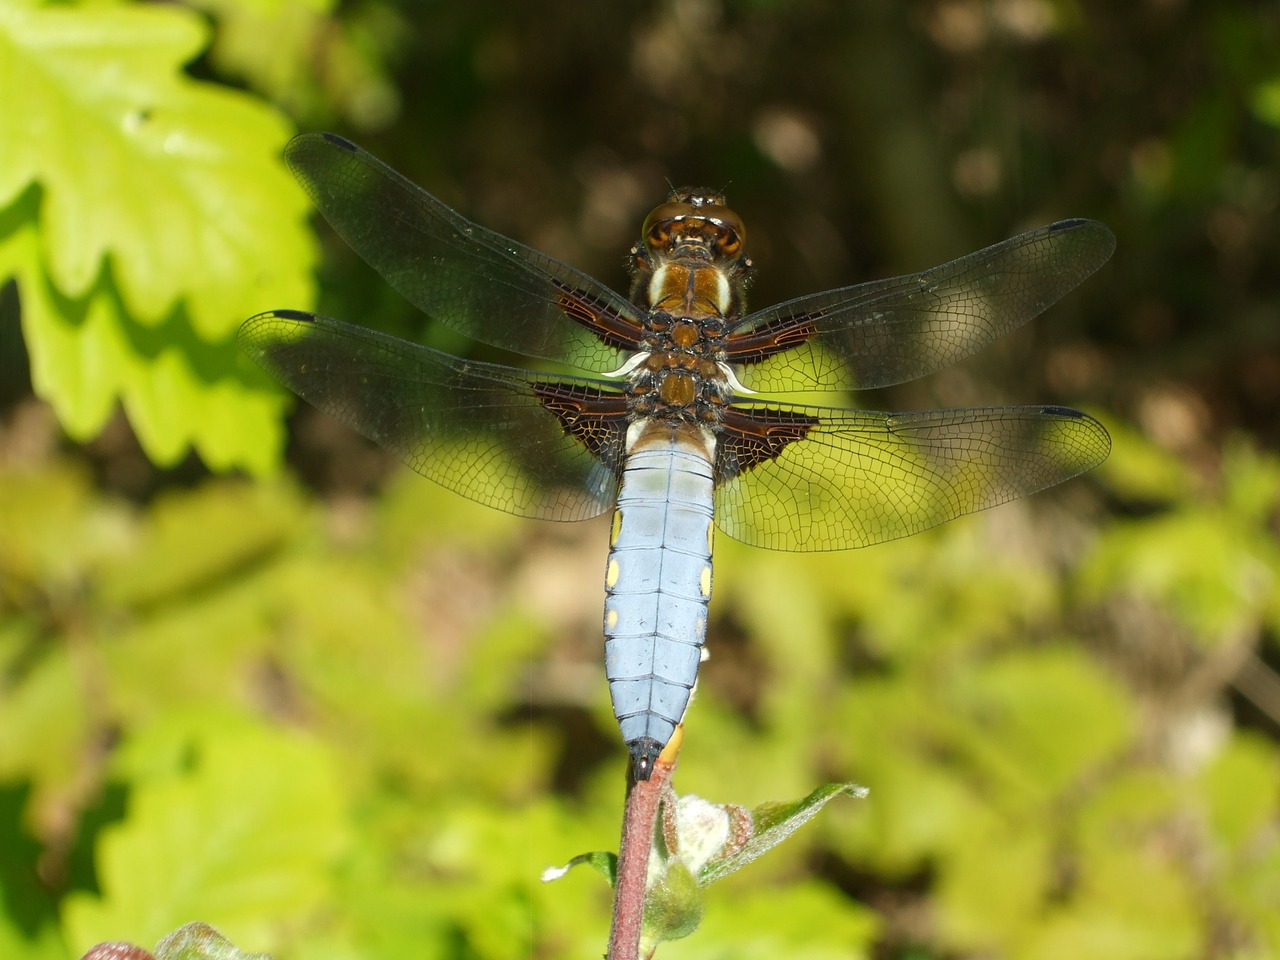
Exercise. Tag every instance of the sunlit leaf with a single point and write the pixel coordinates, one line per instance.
(163, 218)
(244, 838)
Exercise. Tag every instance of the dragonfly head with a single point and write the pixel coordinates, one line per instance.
(694, 222)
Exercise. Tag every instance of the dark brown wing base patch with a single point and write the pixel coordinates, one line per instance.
(595, 418)
(754, 435)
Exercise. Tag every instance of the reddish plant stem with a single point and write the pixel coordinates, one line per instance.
(639, 819)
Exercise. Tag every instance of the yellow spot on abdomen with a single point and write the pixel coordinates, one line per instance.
(705, 583)
(611, 619)
(617, 528)
(611, 573)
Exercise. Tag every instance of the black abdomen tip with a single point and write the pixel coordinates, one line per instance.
(643, 754)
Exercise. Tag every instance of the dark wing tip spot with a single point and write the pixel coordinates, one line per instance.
(342, 142)
(293, 315)
(1056, 411)
(1100, 232)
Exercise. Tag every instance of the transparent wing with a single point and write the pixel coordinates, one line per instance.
(890, 331)
(489, 432)
(838, 479)
(475, 281)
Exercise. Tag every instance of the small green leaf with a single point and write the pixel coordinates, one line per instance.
(45, 726)
(199, 941)
(699, 843)
(605, 864)
(774, 822)
(673, 907)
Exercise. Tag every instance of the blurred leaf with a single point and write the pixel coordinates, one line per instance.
(461, 874)
(993, 882)
(1266, 102)
(1253, 481)
(803, 919)
(1249, 891)
(916, 804)
(1139, 802)
(244, 837)
(46, 726)
(1241, 790)
(1141, 470)
(1194, 564)
(235, 525)
(316, 65)
(28, 911)
(1017, 707)
(1126, 903)
(55, 532)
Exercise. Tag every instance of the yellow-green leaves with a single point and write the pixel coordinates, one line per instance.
(237, 824)
(144, 215)
(699, 842)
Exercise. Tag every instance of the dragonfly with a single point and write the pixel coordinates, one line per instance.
(661, 406)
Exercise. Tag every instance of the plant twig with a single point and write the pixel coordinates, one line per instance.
(644, 798)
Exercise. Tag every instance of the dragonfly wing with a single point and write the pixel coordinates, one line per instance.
(493, 434)
(890, 331)
(475, 281)
(810, 478)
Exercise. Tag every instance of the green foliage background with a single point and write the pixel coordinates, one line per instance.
(338, 712)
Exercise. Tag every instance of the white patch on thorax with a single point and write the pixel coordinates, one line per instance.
(724, 293)
(657, 284)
